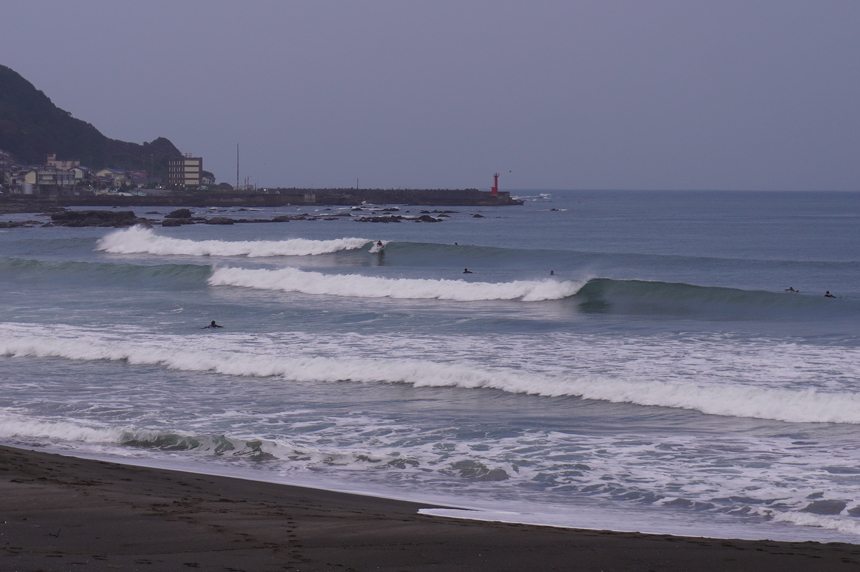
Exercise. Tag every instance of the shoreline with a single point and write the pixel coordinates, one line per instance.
(68, 513)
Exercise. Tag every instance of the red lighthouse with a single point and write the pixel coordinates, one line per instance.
(495, 189)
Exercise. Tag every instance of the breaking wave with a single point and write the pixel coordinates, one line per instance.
(595, 295)
(295, 280)
(838, 523)
(791, 404)
(139, 240)
(12, 425)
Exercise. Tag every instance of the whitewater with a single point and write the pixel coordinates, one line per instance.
(784, 388)
(612, 360)
(140, 240)
(295, 280)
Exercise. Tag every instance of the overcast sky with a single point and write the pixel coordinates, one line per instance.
(597, 94)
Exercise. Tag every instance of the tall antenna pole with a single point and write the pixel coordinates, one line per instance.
(237, 166)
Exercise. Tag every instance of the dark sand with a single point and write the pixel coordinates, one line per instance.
(62, 513)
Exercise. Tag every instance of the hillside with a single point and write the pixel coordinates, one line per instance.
(31, 126)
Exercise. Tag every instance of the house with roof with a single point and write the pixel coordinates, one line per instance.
(49, 181)
(113, 176)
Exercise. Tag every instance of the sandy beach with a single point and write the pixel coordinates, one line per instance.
(63, 513)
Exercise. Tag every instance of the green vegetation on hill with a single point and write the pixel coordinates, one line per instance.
(31, 126)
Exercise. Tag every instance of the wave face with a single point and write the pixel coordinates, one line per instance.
(658, 292)
(45, 271)
(679, 299)
(600, 295)
(295, 280)
(139, 240)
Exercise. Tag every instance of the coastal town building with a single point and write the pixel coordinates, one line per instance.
(69, 177)
(60, 165)
(185, 172)
(49, 181)
(13, 180)
(113, 175)
(81, 172)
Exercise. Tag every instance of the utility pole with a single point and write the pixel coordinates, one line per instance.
(237, 166)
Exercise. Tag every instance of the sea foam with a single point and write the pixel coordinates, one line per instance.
(13, 425)
(139, 240)
(240, 356)
(295, 280)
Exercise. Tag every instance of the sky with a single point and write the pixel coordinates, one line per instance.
(594, 94)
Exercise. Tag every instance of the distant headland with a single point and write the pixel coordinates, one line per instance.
(49, 159)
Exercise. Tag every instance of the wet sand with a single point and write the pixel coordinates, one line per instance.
(63, 513)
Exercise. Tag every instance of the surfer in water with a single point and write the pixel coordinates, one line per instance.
(790, 289)
(379, 244)
(829, 295)
(212, 325)
(466, 271)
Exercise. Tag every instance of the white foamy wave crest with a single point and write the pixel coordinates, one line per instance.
(15, 426)
(139, 240)
(734, 400)
(836, 522)
(191, 353)
(295, 280)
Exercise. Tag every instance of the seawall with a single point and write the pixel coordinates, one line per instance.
(268, 198)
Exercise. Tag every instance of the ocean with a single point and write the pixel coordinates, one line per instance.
(613, 360)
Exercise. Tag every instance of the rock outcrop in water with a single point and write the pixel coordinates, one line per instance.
(220, 220)
(180, 217)
(96, 218)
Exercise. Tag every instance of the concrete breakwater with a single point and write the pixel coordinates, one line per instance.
(265, 198)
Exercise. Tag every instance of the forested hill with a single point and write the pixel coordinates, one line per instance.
(31, 126)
